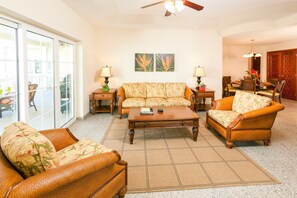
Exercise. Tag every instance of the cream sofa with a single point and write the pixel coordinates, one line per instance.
(243, 117)
(153, 95)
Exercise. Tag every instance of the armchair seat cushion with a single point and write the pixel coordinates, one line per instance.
(178, 102)
(223, 117)
(28, 150)
(81, 150)
(134, 102)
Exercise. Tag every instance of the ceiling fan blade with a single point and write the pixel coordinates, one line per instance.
(193, 5)
(152, 4)
(167, 13)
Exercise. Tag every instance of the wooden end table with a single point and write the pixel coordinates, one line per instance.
(199, 94)
(172, 117)
(100, 96)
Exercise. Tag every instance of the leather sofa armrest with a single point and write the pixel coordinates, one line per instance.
(189, 95)
(60, 138)
(50, 182)
(261, 118)
(223, 104)
(273, 108)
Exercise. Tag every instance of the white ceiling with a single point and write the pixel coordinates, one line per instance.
(238, 21)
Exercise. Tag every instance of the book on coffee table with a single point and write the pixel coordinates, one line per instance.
(147, 111)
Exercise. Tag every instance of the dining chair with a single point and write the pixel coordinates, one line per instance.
(248, 85)
(247, 77)
(6, 103)
(274, 81)
(276, 93)
(32, 91)
(228, 90)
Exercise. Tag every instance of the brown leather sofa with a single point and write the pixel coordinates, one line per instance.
(102, 175)
(250, 126)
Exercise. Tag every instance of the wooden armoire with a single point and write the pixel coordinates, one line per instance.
(282, 65)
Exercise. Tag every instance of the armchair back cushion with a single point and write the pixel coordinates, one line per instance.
(135, 90)
(175, 90)
(155, 90)
(245, 102)
(29, 151)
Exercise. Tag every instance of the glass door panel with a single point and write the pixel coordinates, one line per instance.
(8, 76)
(66, 65)
(40, 81)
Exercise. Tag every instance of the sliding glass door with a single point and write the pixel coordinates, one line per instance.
(40, 81)
(8, 74)
(36, 77)
(66, 65)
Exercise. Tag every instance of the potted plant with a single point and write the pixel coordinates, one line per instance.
(202, 86)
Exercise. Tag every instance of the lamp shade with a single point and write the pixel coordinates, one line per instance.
(199, 71)
(105, 72)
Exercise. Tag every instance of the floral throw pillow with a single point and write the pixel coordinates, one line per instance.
(245, 102)
(27, 149)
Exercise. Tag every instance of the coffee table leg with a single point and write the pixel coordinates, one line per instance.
(131, 134)
(195, 131)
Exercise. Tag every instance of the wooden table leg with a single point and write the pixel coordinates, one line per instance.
(195, 131)
(131, 134)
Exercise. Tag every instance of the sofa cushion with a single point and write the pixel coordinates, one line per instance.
(245, 102)
(223, 117)
(178, 102)
(80, 150)
(155, 90)
(28, 150)
(155, 102)
(135, 90)
(134, 102)
(175, 90)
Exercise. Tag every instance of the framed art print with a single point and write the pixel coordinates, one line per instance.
(144, 62)
(165, 62)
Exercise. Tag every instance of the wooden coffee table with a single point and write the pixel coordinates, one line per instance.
(172, 117)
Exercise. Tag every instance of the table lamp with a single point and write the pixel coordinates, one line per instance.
(199, 72)
(106, 73)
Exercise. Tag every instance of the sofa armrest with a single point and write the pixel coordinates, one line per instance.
(120, 98)
(189, 95)
(260, 118)
(66, 178)
(60, 138)
(223, 104)
(273, 108)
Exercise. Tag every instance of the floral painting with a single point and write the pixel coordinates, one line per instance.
(165, 62)
(144, 62)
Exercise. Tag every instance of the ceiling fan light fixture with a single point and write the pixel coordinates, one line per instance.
(179, 4)
(174, 5)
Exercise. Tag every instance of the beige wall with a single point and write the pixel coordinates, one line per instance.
(117, 48)
(55, 16)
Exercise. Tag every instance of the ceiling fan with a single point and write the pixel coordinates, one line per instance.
(173, 6)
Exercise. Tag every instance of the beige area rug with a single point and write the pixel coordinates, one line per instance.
(168, 159)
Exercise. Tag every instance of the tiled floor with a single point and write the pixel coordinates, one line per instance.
(169, 159)
(279, 158)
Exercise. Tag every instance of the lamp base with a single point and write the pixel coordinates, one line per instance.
(105, 88)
